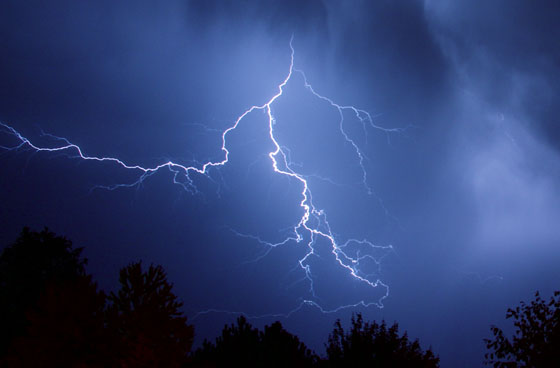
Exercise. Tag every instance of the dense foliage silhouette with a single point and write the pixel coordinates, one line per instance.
(245, 346)
(26, 267)
(65, 329)
(536, 342)
(375, 345)
(145, 315)
(61, 319)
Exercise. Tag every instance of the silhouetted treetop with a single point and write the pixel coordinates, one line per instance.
(246, 346)
(26, 266)
(536, 342)
(53, 315)
(373, 344)
(145, 315)
(66, 329)
(284, 348)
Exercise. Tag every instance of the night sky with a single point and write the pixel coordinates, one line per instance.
(451, 192)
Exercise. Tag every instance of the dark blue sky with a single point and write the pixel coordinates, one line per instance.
(467, 191)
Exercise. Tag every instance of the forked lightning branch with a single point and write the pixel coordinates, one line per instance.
(313, 226)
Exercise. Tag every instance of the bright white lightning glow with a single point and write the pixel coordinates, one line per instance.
(313, 224)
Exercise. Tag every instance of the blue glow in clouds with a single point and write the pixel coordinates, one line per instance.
(358, 258)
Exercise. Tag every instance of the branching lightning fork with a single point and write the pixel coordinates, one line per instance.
(313, 224)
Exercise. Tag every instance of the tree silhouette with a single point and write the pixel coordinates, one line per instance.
(282, 349)
(238, 344)
(26, 267)
(53, 315)
(66, 329)
(244, 345)
(536, 342)
(149, 328)
(375, 345)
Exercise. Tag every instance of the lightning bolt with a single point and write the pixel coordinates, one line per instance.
(313, 226)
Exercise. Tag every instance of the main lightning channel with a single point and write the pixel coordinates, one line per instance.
(312, 225)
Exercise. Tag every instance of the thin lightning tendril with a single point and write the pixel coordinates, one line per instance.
(311, 227)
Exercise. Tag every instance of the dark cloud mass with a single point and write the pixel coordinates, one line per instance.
(467, 193)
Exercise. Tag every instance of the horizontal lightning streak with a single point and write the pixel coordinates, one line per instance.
(312, 225)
